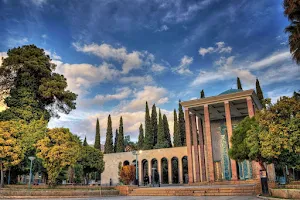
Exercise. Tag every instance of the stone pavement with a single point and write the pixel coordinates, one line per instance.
(163, 198)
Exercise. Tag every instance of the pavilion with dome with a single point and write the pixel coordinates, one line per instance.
(209, 123)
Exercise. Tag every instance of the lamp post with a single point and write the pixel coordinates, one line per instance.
(31, 158)
(136, 153)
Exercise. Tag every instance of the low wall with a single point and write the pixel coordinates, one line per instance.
(124, 190)
(57, 193)
(68, 187)
(285, 193)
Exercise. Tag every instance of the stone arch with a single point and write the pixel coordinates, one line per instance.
(126, 162)
(154, 164)
(175, 170)
(145, 167)
(164, 171)
(184, 174)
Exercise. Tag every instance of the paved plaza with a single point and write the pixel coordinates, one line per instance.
(163, 198)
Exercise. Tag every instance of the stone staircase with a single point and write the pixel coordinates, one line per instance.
(208, 190)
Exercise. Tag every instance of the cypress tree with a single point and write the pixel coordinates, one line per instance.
(181, 125)
(176, 135)
(259, 93)
(141, 138)
(116, 141)
(108, 148)
(120, 143)
(148, 142)
(85, 142)
(239, 84)
(154, 124)
(161, 138)
(202, 95)
(97, 144)
(167, 131)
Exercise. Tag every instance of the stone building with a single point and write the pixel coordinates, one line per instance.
(209, 123)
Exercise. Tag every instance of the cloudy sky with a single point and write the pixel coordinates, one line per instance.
(118, 54)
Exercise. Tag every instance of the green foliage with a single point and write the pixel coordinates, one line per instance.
(292, 10)
(154, 124)
(11, 152)
(97, 144)
(167, 131)
(181, 123)
(141, 138)
(239, 150)
(259, 93)
(109, 148)
(161, 137)
(273, 136)
(176, 135)
(202, 95)
(34, 90)
(116, 141)
(85, 142)
(58, 149)
(238, 83)
(91, 160)
(120, 143)
(148, 140)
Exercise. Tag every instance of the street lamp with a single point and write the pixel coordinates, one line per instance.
(31, 158)
(136, 153)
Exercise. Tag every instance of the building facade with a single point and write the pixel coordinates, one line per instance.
(209, 123)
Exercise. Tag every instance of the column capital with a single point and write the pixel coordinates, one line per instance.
(226, 102)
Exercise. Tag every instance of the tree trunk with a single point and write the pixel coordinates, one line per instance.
(2, 175)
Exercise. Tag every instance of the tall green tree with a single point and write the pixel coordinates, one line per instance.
(202, 95)
(154, 124)
(109, 148)
(32, 87)
(259, 93)
(140, 144)
(85, 142)
(176, 135)
(97, 144)
(120, 144)
(58, 149)
(161, 137)
(181, 123)
(167, 131)
(148, 140)
(238, 83)
(116, 141)
(291, 11)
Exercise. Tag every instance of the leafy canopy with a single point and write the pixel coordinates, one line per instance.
(32, 87)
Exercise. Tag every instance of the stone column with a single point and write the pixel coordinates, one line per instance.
(210, 162)
(189, 145)
(180, 171)
(140, 168)
(255, 165)
(229, 132)
(201, 152)
(195, 146)
(170, 170)
(159, 169)
(150, 171)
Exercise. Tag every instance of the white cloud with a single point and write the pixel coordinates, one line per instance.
(130, 61)
(52, 55)
(44, 36)
(39, 2)
(162, 28)
(220, 48)
(121, 93)
(81, 77)
(137, 80)
(272, 59)
(279, 92)
(13, 42)
(183, 68)
(157, 68)
(151, 94)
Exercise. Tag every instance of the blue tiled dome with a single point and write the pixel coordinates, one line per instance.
(231, 91)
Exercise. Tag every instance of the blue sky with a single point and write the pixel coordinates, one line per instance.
(118, 54)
